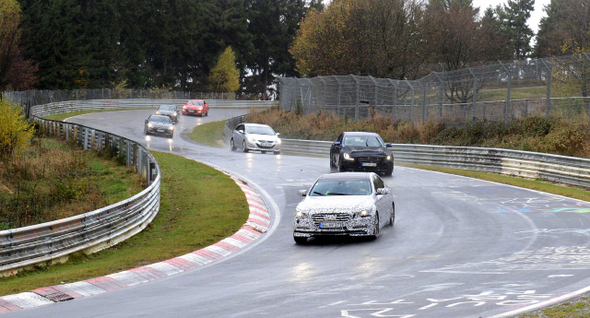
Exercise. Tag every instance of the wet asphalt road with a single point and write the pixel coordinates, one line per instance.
(460, 247)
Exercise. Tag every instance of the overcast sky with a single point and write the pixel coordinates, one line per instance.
(533, 20)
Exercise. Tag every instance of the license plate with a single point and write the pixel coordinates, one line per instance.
(369, 164)
(191, 110)
(267, 144)
(160, 130)
(330, 225)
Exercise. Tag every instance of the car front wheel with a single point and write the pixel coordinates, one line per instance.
(232, 147)
(375, 226)
(244, 148)
(392, 217)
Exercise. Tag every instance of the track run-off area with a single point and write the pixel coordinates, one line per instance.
(460, 247)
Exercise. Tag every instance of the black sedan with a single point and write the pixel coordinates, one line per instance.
(159, 125)
(361, 151)
(170, 111)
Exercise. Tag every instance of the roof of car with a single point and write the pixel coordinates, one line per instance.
(155, 116)
(346, 176)
(360, 133)
(254, 124)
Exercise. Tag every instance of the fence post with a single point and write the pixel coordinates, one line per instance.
(357, 101)
(374, 91)
(440, 95)
(506, 115)
(325, 89)
(548, 102)
(474, 93)
(587, 102)
(411, 106)
(423, 101)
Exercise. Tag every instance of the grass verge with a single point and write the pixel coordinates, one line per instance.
(539, 185)
(199, 206)
(210, 134)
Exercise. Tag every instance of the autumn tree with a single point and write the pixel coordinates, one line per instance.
(381, 38)
(15, 130)
(224, 77)
(565, 29)
(15, 71)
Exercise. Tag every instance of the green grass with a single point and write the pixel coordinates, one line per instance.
(579, 308)
(199, 206)
(210, 134)
(538, 185)
(63, 116)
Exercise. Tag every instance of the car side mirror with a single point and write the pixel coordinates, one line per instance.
(383, 191)
(336, 143)
(278, 134)
(303, 193)
(240, 131)
(388, 145)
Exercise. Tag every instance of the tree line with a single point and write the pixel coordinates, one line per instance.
(176, 44)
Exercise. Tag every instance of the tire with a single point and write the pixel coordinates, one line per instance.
(332, 165)
(277, 152)
(300, 240)
(263, 152)
(392, 217)
(376, 224)
(145, 130)
(244, 148)
(171, 135)
(232, 147)
(340, 166)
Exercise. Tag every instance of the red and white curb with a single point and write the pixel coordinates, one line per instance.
(257, 224)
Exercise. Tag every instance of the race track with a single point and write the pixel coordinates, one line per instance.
(460, 247)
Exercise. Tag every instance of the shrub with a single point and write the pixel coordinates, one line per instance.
(15, 131)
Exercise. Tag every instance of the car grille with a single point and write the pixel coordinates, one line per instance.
(369, 159)
(340, 217)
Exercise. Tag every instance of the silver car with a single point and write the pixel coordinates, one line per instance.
(170, 111)
(259, 137)
(345, 203)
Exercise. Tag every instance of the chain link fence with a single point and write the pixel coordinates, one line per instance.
(501, 91)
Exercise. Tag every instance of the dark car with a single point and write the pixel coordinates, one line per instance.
(361, 151)
(159, 125)
(170, 111)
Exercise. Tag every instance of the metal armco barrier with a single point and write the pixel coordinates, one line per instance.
(525, 164)
(106, 104)
(52, 242)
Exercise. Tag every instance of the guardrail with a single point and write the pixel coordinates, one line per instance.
(516, 163)
(106, 104)
(52, 242)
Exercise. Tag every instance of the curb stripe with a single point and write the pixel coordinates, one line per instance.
(256, 225)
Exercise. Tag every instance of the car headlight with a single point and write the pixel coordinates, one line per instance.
(251, 139)
(388, 158)
(157, 112)
(364, 213)
(150, 125)
(278, 141)
(300, 214)
(348, 157)
(174, 114)
(171, 128)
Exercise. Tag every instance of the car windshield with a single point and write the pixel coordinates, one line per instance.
(362, 141)
(160, 120)
(195, 102)
(260, 130)
(168, 107)
(339, 187)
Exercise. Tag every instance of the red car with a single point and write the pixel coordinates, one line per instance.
(195, 107)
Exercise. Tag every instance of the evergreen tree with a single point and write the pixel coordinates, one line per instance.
(224, 77)
(513, 17)
(55, 39)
